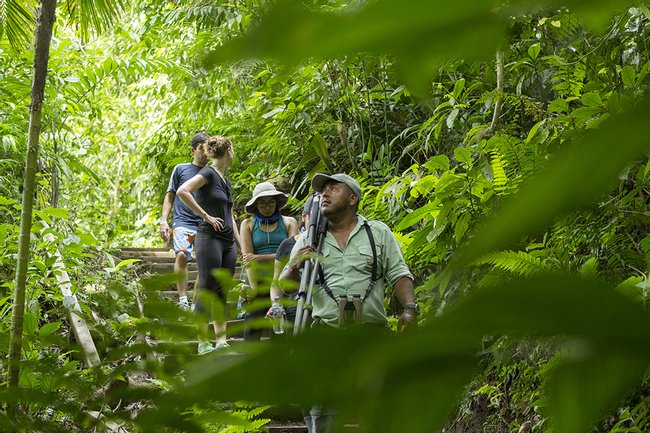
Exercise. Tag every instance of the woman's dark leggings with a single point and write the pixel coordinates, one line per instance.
(213, 253)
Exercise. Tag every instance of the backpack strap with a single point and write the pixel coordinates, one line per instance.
(373, 275)
(323, 284)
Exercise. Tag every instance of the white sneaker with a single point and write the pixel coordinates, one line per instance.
(205, 347)
(184, 305)
(222, 346)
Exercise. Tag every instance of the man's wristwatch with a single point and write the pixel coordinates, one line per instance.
(413, 307)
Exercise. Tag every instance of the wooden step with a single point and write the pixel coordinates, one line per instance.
(160, 268)
(134, 254)
(168, 260)
(191, 275)
(191, 345)
(157, 259)
(144, 249)
(298, 427)
(161, 260)
(280, 427)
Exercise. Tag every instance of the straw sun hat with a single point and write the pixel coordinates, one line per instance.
(266, 189)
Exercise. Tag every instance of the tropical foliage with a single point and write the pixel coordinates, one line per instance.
(504, 142)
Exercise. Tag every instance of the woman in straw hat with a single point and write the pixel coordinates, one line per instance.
(260, 237)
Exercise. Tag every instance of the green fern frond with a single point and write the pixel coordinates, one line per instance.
(618, 251)
(500, 180)
(517, 262)
(645, 245)
(570, 77)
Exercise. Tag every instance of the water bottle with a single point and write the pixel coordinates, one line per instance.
(277, 316)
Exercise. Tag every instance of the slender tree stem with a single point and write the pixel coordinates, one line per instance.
(43, 37)
(499, 99)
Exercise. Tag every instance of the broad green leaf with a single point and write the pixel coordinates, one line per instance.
(55, 212)
(463, 155)
(590, 268)
(449, 184)
(592, 99)
(452, 117)
(416, 216)
(558, 106)
(6, 201)
(461, 227)
(30, 323)
(320, 146)
(48, 329)
(635, 288)
(127, 262)
(273, 112)
(556, 305)
(533, 51)
(437, 162)
(628, 75)
(584, 114)
(290, 32)
(643, 73)
(533, 130)
(423, 186)
(458, 88)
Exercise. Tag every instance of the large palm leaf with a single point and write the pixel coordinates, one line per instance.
(92, 15)
(17, 22)
(17, 18)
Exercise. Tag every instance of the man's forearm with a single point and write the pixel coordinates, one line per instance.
(404, 291)
(290, 274)
(166, 208)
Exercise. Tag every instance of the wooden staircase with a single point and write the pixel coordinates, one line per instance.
(160, 261)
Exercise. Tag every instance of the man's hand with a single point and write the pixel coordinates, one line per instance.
(302, 255)
(291, 272)
(408, 320)
(165, 232)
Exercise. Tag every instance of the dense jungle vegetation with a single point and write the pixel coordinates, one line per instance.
(504, 142)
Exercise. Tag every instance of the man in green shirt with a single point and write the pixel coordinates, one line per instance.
(350, 270)
(347, 258)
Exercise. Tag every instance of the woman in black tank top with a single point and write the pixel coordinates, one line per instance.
(217, 233)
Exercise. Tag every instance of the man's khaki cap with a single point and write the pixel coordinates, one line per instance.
(320, 179)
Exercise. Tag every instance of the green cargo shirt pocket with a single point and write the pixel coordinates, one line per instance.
(366, 259)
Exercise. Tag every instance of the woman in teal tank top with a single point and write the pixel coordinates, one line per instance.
(267, 242)
(260, 237)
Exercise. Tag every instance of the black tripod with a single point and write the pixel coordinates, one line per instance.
(315, 237)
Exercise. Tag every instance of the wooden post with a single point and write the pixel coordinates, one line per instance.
(79, 326)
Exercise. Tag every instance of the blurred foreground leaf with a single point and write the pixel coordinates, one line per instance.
(577, 177)
(410, 382)
(421, 35)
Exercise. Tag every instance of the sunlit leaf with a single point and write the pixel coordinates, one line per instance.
(628, 75)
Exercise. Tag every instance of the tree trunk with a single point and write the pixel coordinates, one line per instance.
(499, 99)
(43, 37)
